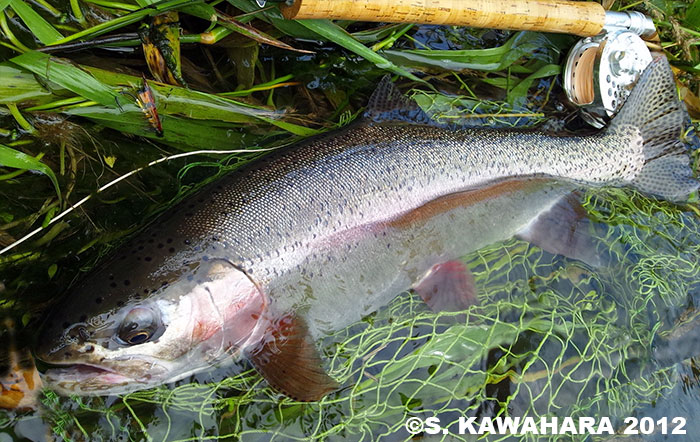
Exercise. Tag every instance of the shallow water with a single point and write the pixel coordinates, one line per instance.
(550, 337)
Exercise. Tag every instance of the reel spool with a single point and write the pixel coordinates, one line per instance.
(600, 71)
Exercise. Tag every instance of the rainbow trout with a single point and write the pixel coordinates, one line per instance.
(310, 239)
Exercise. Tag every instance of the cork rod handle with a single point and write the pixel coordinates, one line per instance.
(563, 16)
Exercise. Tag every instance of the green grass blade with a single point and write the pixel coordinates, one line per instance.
(339, 36)
(3, 4)
(102, 87)
(188, 102)
(518, 95)
(252, 33)
(291, 28)
(41, 29)
(201, 10)
(19, 86)
(178, 132)
(18, 160)
(67, 75)
(490, 60)
(127, 19)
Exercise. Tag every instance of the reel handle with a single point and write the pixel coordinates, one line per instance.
(562, 16)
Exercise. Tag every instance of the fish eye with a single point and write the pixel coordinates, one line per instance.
(138, 326)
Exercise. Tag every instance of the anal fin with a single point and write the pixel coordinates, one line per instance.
(564, 229)
(287, 358)
(448, 286)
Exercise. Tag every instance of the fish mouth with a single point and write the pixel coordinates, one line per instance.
(86, 378)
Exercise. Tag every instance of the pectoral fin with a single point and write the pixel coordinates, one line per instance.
(564, 229)
(287, 358)
(448, 286)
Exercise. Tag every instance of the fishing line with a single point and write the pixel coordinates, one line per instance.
(123, 177)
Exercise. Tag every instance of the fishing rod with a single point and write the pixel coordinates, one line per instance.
(600, 69)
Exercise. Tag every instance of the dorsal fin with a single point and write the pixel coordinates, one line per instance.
(387, 103)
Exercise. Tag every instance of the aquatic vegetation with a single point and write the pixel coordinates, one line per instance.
(550, 337)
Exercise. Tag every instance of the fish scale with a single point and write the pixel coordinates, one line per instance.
(314, 237)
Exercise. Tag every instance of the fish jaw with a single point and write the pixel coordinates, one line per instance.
(84, 379)
(207, 318)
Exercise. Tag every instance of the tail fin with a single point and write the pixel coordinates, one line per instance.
(654, 109)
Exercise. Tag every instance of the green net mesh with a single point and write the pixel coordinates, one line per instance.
(550, 337)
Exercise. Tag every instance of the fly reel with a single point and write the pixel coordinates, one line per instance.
(600, 71)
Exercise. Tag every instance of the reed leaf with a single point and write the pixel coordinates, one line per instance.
(15, 159)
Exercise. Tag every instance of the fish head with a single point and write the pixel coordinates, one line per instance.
(119, 331)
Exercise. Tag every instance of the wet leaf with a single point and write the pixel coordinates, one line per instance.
(67, 75)
(273, 15)
(338, 35)
(20, 86)
(42, 29)
(489, 60)
(127, 19)
(19, 160)
(250, 32)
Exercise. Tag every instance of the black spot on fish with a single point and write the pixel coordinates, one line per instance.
(171, 250)
(98, 300)
(161, 245)
(141, 247)
(148, 258)
(151, 241)
(111, 277)
(113, 285)
(127, 282)
(89, 348)
(169, 240)
(67, 354)
(187, 241)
